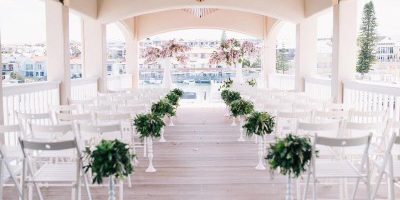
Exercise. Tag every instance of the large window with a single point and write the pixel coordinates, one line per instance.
(116, 50)
(23, 39)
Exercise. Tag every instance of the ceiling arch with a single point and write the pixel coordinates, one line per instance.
(161, 22)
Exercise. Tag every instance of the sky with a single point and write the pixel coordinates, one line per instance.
(23, 21)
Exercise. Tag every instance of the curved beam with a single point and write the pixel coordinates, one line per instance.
(161, 22)
(112, 10)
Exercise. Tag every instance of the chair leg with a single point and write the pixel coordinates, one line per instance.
(1, 178)
(13, 178)
(314, 187)
(356, 188)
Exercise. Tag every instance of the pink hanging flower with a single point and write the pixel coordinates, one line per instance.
(171, 49)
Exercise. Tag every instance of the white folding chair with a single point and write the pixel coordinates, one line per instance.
(10, 158)
(24, 119)
(286, 122)
(330, 115)
(56, 174)
(98, 132)
(339, 168)
(56, 109)
(389, 164)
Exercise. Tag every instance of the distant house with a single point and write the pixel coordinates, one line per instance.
(34, 67)
(76, 68)
(387, 50)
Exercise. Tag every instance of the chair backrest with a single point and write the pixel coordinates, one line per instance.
(342, 142)
(100, 108)
(355, 128)
(90, 132)
(65, 117)
(10, 133)
(332, 114)
(335, 107)
(28, 145)
(324, 128)
(132, 109)
(294, 115)
(52, 132)
(24, 119)
(113, 116)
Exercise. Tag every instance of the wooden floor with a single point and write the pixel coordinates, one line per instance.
(201, 160)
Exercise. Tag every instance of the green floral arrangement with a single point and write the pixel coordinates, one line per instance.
(259, 123)
(252, 82)
(162, 108)
(224, 94)
(148, 125)
(230, 96)
(241, 107)
(178, 92)
(291, 155)
(226, 84)
(109, 158)
(173, 98)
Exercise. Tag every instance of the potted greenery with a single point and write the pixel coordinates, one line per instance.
(291, 155)
(178, 92)
(259, 124)
(173, 99)
(228, 98)
(240, 108)
(112, 159)
(164, 108)
(252, 82)
(149, 126)
(226, 84)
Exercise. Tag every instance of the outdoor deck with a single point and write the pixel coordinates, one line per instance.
(201, 160)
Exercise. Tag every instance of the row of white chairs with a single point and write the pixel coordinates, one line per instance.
(349, 141)
(67, 129)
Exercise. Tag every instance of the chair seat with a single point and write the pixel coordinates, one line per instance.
(56, 173)
(336, 169)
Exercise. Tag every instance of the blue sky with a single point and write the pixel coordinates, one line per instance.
(23, 21)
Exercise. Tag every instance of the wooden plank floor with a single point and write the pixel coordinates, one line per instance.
(201, 160)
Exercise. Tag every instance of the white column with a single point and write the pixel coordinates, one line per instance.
(344, 51)
(1, 93)
(306, 50)
(132, 65)
(269, 58)
(95, 51)
(132, 52)
(58, 53)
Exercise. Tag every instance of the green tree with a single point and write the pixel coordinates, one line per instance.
(282, 63)
(367, 39)
(246, 63)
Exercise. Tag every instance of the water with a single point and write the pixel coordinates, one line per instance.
(196, 92)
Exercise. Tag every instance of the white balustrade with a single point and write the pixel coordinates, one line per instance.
(28, 98)
(369, 96)
(281, 81)
(83, 89)
(318, 88)
(119, 82)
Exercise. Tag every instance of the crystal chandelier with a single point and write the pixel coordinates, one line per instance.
(200, 12)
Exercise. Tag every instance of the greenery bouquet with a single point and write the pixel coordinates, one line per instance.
(291, 155)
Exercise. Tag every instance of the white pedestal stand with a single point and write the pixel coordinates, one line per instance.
(150, 155)
(260, 165)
